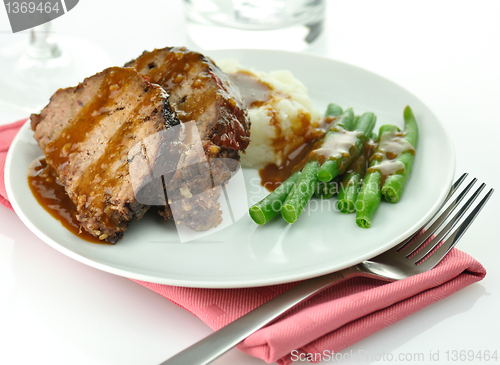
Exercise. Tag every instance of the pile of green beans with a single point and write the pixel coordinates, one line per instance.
(392, 187)
(344, 173)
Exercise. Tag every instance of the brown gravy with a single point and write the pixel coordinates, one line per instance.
(105, 172)
(291, 147)
(341, 144)
(360, 164)
(51, 196)
(253, 91)
(273, 175)
(391, 145)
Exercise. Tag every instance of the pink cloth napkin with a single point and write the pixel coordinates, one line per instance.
(7, 134)
(331, 321)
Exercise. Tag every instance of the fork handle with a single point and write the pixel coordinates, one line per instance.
(218, 343)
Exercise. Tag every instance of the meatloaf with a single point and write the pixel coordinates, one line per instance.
(90, 133)
(199, 91)
(201, 95)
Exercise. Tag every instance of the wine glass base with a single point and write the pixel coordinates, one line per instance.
(26, 83)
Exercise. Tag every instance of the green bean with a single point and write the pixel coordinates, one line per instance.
(370, 195)
(329, 169)
(346, 121)
(270, 206)
(325, 190)
(333, 110)
(356, 118)
(336, 165)
(387, 128)
(394, 185)
(368, 199)
(348, 192)
(366, 123)
(411, 127)
(350, 182)
(301, 192)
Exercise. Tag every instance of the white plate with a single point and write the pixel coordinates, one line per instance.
(244, 254)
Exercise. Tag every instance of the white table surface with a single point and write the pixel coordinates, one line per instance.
(54, 310)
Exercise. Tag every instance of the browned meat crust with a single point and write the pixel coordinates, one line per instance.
(200, 92)
(88, 134)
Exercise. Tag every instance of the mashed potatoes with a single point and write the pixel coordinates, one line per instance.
(281, 113)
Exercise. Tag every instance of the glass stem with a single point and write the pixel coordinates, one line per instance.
(41, 45)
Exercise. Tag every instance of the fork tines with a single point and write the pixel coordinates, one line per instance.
(440, 236)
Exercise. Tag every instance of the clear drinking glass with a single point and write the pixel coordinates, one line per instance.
(32, 72)
(267, 24)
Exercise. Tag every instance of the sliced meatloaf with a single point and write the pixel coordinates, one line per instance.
(201, 93)
(91, 133)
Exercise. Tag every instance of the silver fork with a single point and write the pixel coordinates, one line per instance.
(410, 257)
